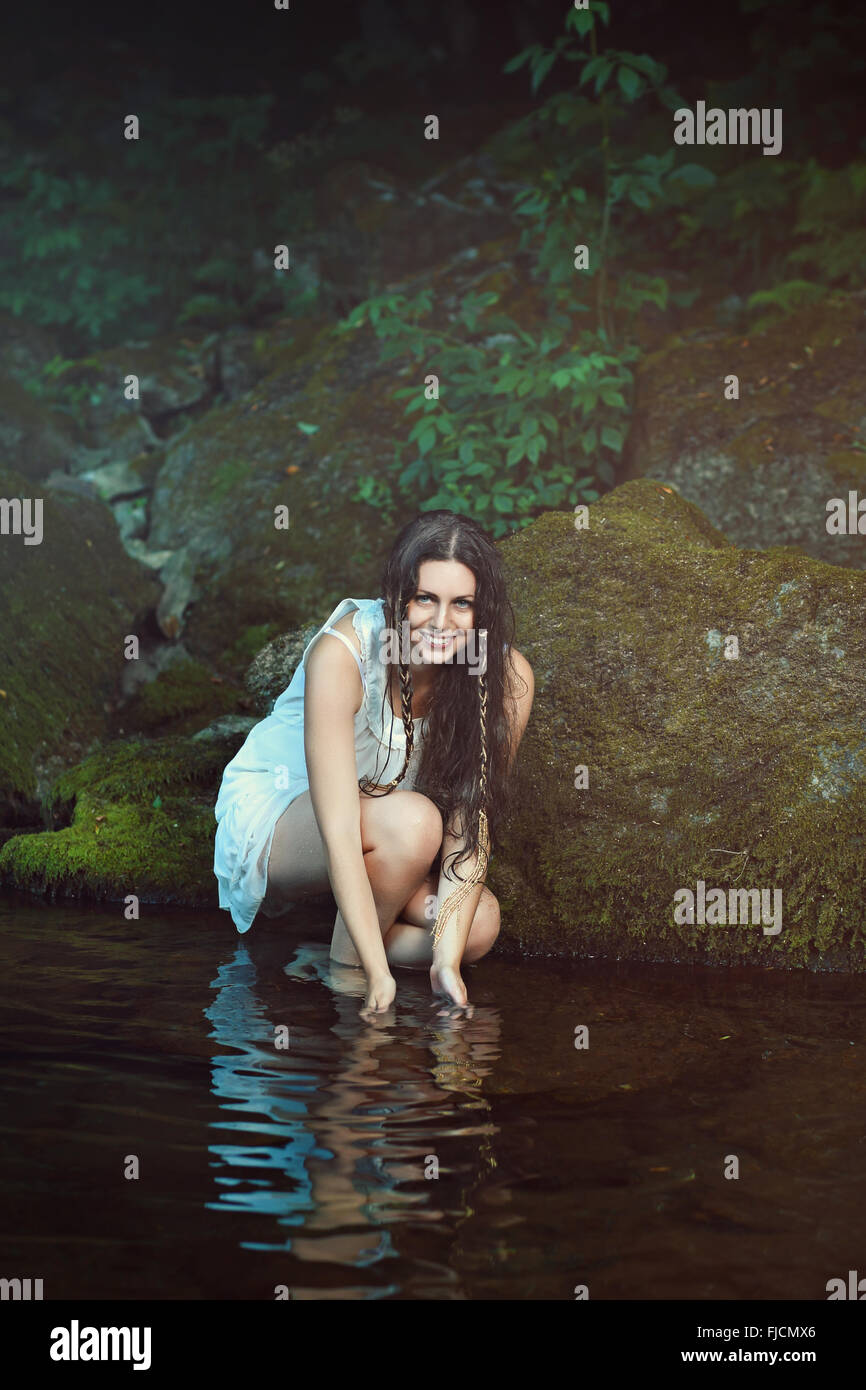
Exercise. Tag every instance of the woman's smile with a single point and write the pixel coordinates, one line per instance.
(436, 643)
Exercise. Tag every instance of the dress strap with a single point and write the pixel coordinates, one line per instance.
(343, 638)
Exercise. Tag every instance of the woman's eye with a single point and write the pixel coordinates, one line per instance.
(460, 602)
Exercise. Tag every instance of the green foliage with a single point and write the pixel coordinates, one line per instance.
(528, 421)
(70, 397)
(178, 226)
(831, 222)
(524, 422)
(56, 234)
(784, 299)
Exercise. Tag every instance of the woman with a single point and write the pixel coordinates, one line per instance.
(305, 804)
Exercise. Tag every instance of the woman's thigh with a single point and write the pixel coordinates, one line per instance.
(297, 865)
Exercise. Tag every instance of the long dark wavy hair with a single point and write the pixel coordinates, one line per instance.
(456, 760)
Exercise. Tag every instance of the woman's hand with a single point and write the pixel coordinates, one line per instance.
(446, 980)
(380, 994)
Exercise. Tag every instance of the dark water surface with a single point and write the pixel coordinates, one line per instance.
(305, 1167)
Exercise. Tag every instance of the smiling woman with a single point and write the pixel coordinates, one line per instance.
(382, 777)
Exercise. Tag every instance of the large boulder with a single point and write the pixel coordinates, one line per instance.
(763, 467)
(35, 439)
(137, 815)
(742, 771)
(66, 605)
(299, 440)
(133, 818)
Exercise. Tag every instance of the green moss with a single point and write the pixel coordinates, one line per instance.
(182, 698)
(848, 466)
(141, 822)
(700, 767)
(227, 477)
(246, 647)
(62, 605)
(805, 367)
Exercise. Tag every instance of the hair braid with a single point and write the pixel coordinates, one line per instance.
(409, 727)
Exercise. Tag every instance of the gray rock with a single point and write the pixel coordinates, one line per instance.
(745, 772)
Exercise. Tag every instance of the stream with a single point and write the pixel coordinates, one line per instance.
(281, 1142)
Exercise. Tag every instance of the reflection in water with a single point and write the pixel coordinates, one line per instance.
(331, 1138)
(305, 1168)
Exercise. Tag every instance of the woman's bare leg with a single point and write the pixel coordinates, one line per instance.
(297, 865)
(410, 941)
(400, 837)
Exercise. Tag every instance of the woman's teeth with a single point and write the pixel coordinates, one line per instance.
(437, 643)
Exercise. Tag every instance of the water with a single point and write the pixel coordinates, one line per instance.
(305, 1167)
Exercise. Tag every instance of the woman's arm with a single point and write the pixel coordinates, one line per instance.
(333, 695)
(452, 942)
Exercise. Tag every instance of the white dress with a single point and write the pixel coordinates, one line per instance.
(269, 771)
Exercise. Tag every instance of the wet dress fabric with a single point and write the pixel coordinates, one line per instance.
(269, 771)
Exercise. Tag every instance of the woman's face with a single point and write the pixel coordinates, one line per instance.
(441, 612)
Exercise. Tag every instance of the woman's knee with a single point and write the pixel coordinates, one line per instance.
(407, 820)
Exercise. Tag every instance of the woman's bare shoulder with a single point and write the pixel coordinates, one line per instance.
(347, 627)
(521, 666)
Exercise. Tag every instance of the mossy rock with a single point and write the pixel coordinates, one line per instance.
(274, 666)
(175, 374)
(215, 496)
(66, 605)
(762, 467)
(744, 773)
(35, 438)
(136, 817)
(180, 700)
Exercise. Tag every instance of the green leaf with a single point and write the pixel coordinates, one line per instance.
(427, 440)
(599, 66)
(502, 502)
(630, 82)
(589, 440)
(693, 176)
(307, 429)
(541, 69)
(612, 438)
(416, 472)
(656, 72)
(581, 20)
(520, 58)
(605, 472)
(508, 380)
